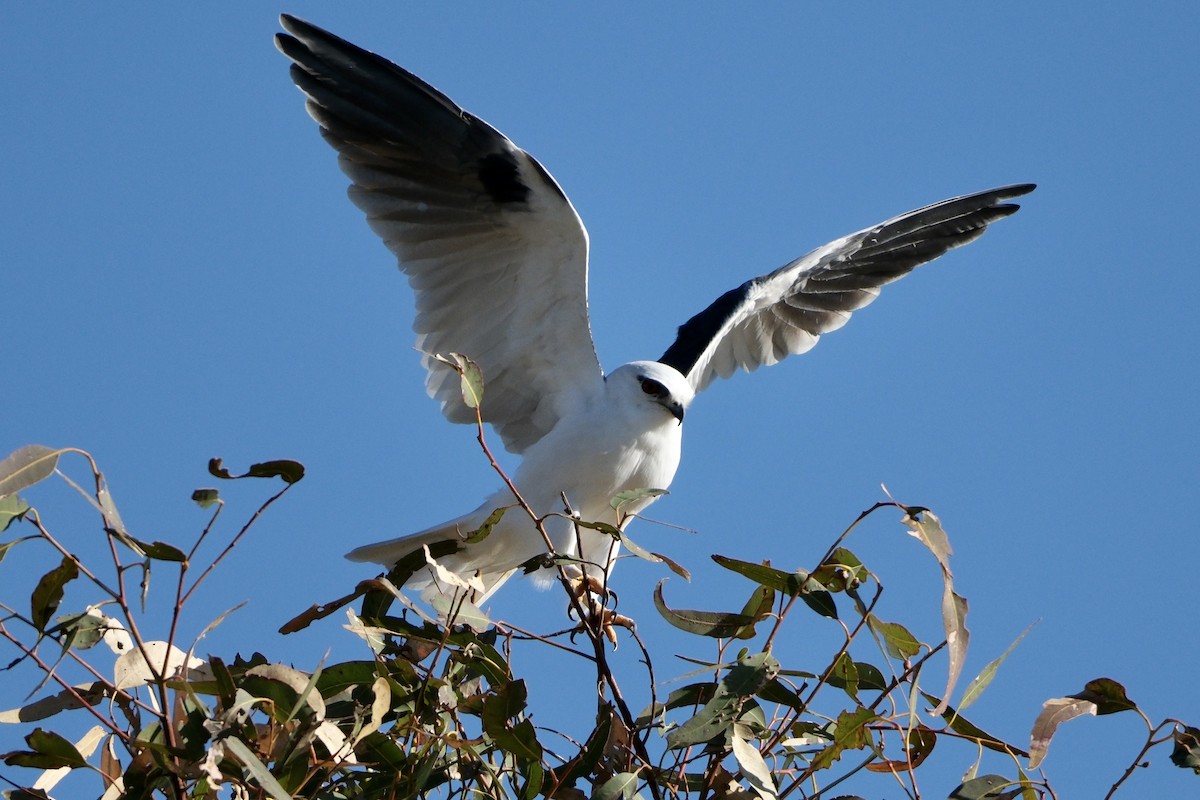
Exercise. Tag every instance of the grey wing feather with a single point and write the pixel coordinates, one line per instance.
(491, 245)
(785, 312)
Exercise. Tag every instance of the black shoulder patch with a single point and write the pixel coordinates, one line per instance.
(697, 334)
(501, 178)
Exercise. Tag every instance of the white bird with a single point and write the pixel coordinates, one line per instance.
(497, 258)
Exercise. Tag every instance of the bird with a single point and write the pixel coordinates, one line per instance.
(497, 259)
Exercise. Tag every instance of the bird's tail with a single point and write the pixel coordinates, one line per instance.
(466, 562)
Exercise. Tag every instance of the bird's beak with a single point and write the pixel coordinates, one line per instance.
(676, 409)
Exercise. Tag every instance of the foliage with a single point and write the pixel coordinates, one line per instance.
(436, 710)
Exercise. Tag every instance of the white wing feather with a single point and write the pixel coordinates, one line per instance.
(785, 312)
(491, 245)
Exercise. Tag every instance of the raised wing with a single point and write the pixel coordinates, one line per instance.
(493, 249)
(784, 313)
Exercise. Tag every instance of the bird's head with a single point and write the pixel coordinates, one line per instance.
(649, 382)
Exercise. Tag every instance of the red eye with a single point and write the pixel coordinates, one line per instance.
(653, 387)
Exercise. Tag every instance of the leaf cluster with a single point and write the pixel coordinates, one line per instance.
(435, 709)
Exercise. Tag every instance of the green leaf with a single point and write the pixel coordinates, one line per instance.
(49, 593)
(694, 694)
(382, 750)
(603, 527)
(984, 678)
(986, 787)
(6, 546)
(27, 466)
(50, 751)
(83, 630)
(289, 471)
(898, 642)
(206, 497)
(626, 497)
(841, 570)
(789, 583)
(716, 624)
(924, 525)
(1108, 695)
(750, 674)
(11, 507)
(337, 678)
(283, 696)
(621, 786)
(505, 704)
(954, 620)
(160, 551)
(470, 380)
(744, 679)
(758, 607)
(849, 732)
(843, 674)
(654, 558)
(1186, 753)
(238, 749)
(484, 530)
(776, 691)
(821, 602)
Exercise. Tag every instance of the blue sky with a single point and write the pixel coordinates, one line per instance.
(184, 278)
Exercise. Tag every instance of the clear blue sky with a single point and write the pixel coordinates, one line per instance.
(184, 278)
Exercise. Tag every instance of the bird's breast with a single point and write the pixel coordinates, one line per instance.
(590, 459)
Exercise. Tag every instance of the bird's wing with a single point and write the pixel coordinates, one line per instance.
(491, 245)
(785, 312)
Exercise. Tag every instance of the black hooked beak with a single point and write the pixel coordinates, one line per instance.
(676, 409)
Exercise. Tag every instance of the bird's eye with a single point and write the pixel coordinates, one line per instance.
(651, 386)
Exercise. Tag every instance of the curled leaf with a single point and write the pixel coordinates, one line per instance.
(470, 377)
(485, 530)
(1186, 752)
(289, 471)
(1108, 695)
(924, 525)
(1054, 713)
(954, 618)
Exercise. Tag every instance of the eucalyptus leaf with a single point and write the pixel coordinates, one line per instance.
(1186, 751)
(622, 786)
(621, 499)
(1054, 712)
(897, 640)
(12, 508)
(981, 681)
(49, 592)
(27, 466)
(289, 471)
(206, 497)
(704, 623)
